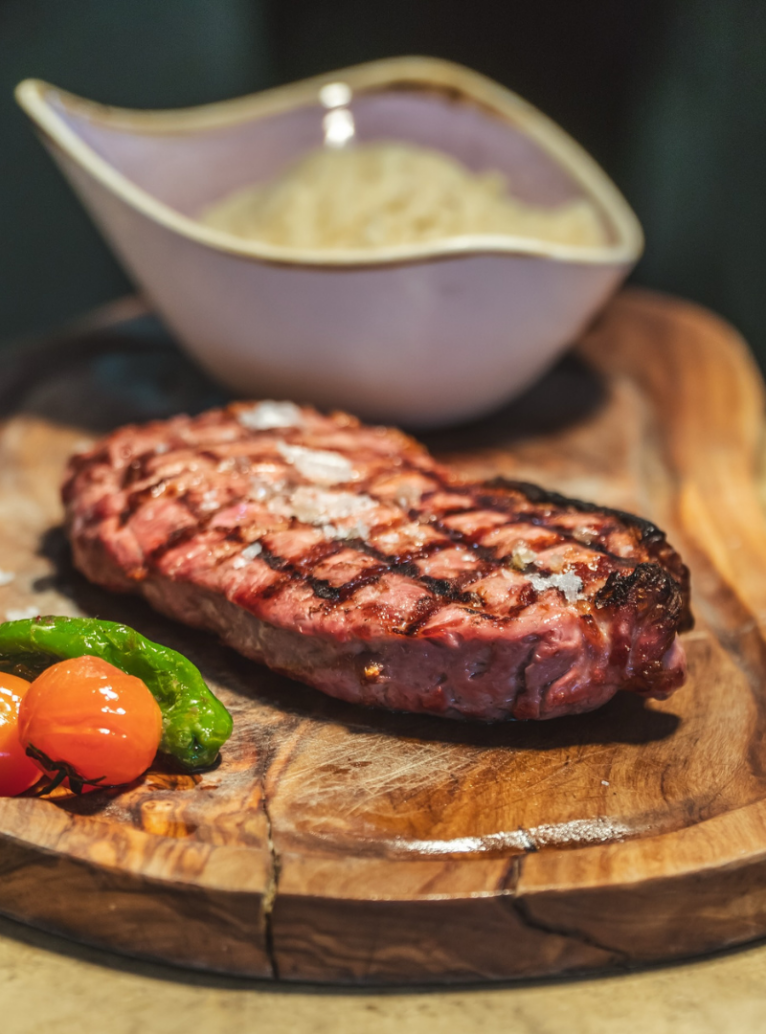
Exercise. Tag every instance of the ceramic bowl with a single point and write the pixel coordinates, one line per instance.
(422, 334)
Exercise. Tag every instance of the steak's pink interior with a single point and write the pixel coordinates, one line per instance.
(188, 170)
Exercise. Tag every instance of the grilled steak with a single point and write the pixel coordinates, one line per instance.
(347, 557)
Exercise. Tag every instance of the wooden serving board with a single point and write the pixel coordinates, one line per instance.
(339, 844)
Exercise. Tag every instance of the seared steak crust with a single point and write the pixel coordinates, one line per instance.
(347, 557)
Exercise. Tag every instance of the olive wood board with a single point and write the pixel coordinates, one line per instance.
(335, 843)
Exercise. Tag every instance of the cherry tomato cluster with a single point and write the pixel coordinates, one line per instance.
(82, 722)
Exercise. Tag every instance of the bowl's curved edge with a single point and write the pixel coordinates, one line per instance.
(34, 96)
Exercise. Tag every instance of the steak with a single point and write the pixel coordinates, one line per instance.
(345, 556)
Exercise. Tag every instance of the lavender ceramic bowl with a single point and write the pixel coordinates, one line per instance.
(421, 334)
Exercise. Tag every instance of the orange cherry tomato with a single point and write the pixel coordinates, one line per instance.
(17, 771)
(87, 714)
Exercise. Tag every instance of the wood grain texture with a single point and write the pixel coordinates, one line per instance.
(345, 845)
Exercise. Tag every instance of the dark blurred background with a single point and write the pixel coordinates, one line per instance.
(668, 95)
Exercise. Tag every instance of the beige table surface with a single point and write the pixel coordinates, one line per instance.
(48, 986)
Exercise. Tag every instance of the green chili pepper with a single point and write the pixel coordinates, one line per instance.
(195, 724)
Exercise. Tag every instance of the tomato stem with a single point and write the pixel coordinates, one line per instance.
(64, 771)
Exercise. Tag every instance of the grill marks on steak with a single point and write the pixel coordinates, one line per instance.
(346, 556)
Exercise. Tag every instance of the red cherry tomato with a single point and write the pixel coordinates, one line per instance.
(17, 771)
(85, 713)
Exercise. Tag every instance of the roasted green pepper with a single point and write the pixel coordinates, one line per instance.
(195, 724)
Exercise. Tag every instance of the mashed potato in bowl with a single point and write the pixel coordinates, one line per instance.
(381, 194)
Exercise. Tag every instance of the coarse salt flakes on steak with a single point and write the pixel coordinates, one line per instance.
(347, 557)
